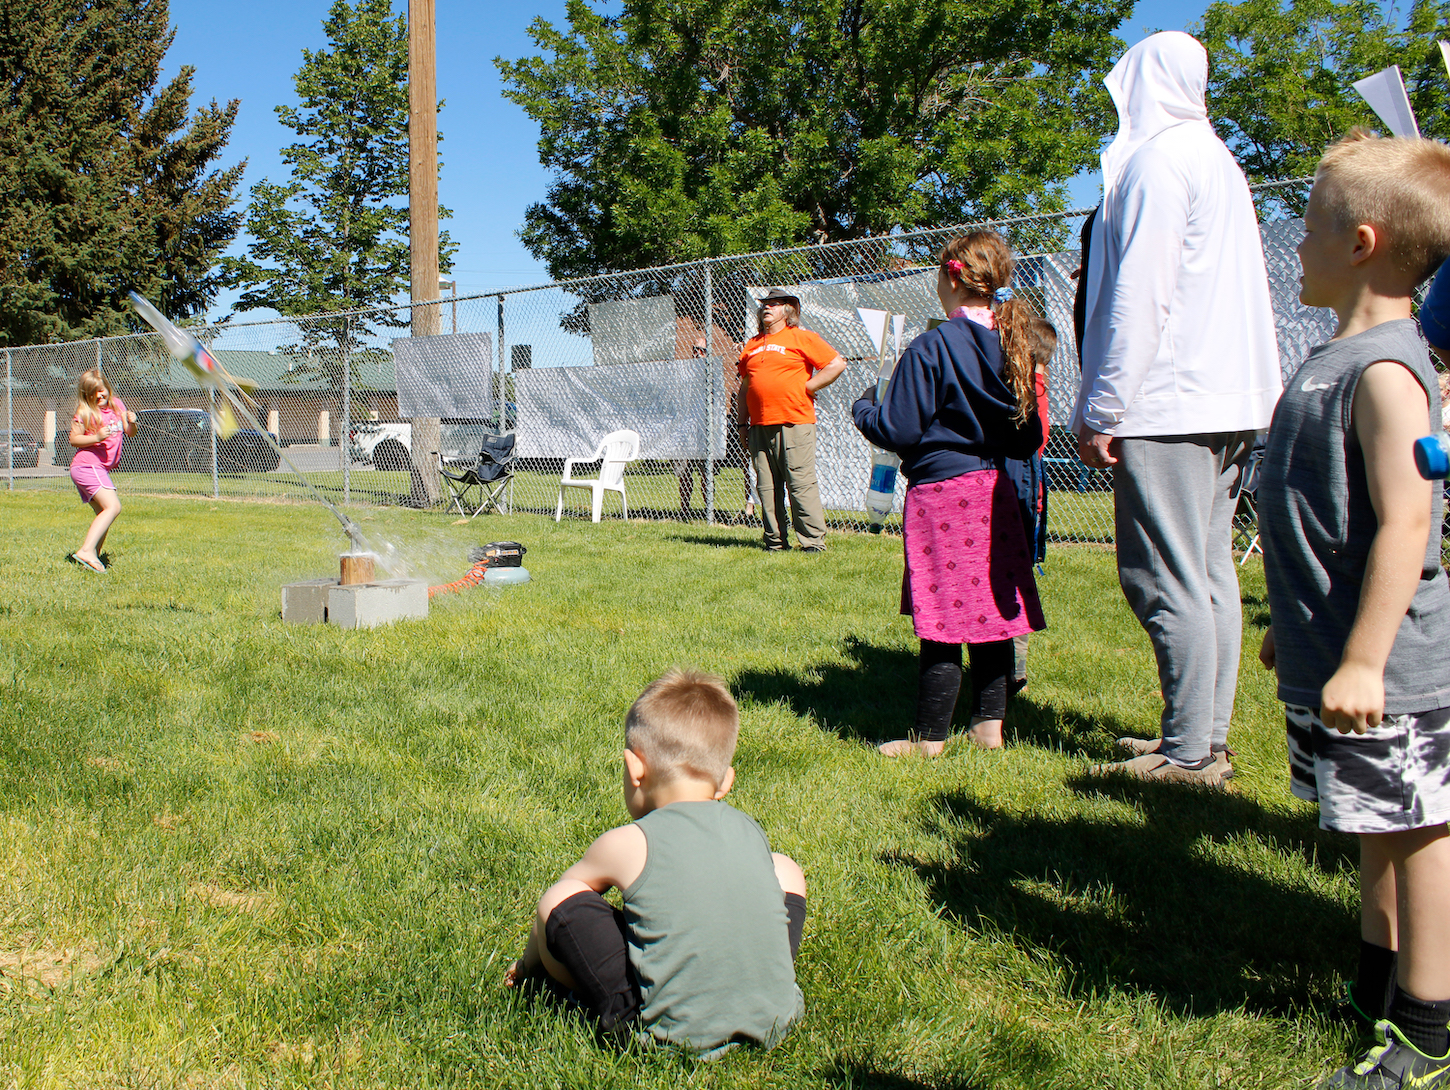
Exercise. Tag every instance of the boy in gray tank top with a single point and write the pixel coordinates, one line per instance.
(703, 955)
(1359, 604)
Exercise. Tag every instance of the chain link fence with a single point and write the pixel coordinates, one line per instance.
(366, 409)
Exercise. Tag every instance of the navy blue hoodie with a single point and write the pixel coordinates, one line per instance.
(947, 410)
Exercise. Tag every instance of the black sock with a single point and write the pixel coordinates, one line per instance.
(1375, 982)
(795, 916)
(1422, 1023)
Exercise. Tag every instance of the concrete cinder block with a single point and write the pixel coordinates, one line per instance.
(367, 605)
(306, 603)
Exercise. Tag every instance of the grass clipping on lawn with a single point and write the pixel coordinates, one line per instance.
(239, 853)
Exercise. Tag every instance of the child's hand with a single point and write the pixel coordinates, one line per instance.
(1353, 699)
(1266, 649)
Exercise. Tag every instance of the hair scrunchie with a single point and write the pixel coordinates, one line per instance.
(956, 266)
(1001, 295)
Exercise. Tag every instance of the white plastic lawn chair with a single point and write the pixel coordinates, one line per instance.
(613, 453)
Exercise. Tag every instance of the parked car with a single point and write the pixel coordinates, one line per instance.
(22, 448)
(179, 440)
(388, 444)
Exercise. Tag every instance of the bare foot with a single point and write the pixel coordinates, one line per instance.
(986, 733)
(514, 974)
(905, 746)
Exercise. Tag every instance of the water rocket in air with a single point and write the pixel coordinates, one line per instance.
(211, 375)
(195, 357)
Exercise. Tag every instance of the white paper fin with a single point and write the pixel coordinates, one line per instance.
(1386, 95)
(1445, 55)
(898, 327)
(875, 323)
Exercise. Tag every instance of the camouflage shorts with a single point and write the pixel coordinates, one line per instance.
(1391, 778)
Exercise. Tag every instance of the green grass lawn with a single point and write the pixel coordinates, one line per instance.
(238, 853)
(653, 489)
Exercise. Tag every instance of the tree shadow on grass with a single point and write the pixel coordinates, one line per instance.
(845, 1075)
(716, 541)
(1256, 610)
(1064, 730)
(1178, 904)
(872, 698)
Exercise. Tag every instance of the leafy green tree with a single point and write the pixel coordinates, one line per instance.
(335, 237)
(1280, 76)
(680, 129)
(104, 187)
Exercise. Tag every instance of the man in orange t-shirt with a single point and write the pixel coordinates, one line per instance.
(781, 371)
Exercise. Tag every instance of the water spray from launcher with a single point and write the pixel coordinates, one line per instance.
(211, 375)
(881, 490)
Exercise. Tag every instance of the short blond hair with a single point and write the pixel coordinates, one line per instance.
(1398, 185)
(686, 722)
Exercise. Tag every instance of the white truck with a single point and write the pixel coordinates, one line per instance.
(388, 444)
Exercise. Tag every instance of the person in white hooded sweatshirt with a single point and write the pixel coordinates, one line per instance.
(1179, 369)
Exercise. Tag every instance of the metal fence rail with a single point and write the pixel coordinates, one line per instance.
(361, 406)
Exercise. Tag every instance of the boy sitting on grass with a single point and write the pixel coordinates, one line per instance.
(1360, 606)
(703, 955)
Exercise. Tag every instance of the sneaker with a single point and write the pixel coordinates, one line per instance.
(1157, 768)
(1139, 746)
(813, 548)
(1393, 1064)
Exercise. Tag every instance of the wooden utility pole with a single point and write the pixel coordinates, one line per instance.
(423, 216)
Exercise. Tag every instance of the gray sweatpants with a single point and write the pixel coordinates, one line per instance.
(1173, 507)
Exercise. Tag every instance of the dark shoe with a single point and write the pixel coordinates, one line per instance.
(813, 548)
(1157, 768)
(1393, 1064)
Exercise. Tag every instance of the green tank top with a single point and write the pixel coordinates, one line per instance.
(708, 931)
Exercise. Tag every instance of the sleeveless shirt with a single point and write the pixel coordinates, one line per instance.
(708, 935)
(1316, 525)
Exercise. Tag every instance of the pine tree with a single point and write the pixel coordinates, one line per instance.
(104, 188)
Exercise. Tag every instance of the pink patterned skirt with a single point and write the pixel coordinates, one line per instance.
(968, 575)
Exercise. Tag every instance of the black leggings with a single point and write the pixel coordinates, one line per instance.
(939, 680)
(588, 936)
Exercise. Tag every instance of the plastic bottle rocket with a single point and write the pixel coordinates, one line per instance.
(194, 357)
(881, 489)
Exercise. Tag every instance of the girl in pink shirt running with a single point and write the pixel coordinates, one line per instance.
(95, 431)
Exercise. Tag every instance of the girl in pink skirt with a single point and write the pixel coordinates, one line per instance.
(961, 413)
(95, 431)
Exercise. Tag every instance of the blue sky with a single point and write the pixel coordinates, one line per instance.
(491, 170)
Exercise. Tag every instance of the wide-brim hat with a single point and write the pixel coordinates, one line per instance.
(779, 295)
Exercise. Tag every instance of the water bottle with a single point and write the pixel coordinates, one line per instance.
(1432, 456)
(881, 492)
(881, 489)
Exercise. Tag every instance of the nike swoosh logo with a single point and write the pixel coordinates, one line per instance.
(1310, 385)
(1426, 1078)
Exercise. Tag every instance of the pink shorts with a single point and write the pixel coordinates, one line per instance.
(88, 475)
